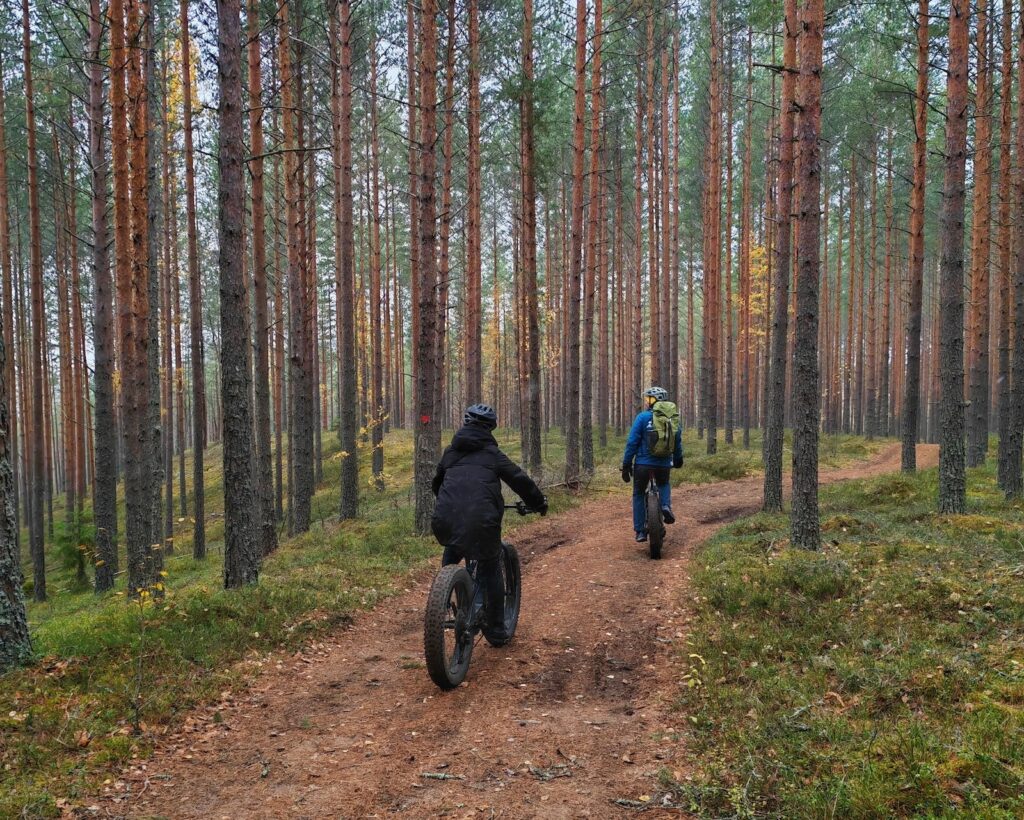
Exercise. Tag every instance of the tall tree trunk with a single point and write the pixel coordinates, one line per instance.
(1013, 479)
(154, 123)
(105, 485)
(242, 506)
(529, 239)
(912, 382)
(978, 342)
(745, 241)
(38, 473)
(592, 254)
(952, 478)
(427, 424)
(195, 301)
(572, 405)
(379, 400)
(7, 274)
(15, 644)
(345, 255)
(712, 244)
(264, 456)
(474, 383)
(806, 398)
(301, 405)
(1006, 175)
(780, 285)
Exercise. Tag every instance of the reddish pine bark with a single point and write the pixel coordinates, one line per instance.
(978, 356)
(910, 423)
(593, 242)
(1005, 240)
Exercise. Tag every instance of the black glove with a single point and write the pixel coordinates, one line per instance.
(543, 508)
(627, 473)
(677, 462)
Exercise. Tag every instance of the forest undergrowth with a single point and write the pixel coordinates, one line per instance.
(883, 676)
(113, 674)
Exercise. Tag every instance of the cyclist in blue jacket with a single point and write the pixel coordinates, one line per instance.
(639, 465)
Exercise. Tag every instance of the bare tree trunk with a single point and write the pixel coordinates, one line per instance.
(806, 409)
(242, 505)
(427, 424)
(38, 474)
(745, 240)
(593, 240)
(910, 424)
(572, 405)
(379, 400)
(1005, 240)
(529, 239)
(195, 302)
(978, 386)
(15, 644)
(345, 255)
(264, 456)
(7, 273)
(1013, 479)
(474, 386)
(780, 318)
(712, 245)
(952, 478)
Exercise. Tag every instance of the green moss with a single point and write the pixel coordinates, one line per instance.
(881, 677)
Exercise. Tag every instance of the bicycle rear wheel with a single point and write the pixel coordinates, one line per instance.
(447, 633)
(655, 525)
(511, 573)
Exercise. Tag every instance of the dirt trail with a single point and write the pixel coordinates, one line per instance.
(559, 724)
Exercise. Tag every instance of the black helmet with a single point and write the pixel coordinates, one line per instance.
(481, 414)
(656, 393)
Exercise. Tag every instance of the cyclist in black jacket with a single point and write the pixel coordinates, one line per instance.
(467, 516)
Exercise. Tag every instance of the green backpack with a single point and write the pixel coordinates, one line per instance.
(661, 438)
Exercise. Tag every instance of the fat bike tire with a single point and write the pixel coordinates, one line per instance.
(447, 638)
(655, 526)
(512, 575)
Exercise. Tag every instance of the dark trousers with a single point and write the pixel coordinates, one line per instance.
(642, 476)
(488, 575)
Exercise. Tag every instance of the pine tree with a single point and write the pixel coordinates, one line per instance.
(806, 411)
(780, 284)
(952, 478)
(910, 424)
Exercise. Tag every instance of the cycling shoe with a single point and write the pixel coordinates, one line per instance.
(641, 537)
(666, 513)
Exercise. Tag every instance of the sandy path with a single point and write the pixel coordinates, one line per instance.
(559, 724)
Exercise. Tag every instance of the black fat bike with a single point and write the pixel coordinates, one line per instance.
(455, 613)
(655, 520)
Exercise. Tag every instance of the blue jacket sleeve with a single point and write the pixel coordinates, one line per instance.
(633, 442)
(679, 445)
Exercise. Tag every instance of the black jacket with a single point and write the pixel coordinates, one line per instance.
(467, 484)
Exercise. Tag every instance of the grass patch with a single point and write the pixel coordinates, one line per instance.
(883, 676)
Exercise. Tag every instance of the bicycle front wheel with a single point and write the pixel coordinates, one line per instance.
(512, 574)
(447, 632)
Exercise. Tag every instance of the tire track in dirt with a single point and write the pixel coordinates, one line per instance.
(574, 714)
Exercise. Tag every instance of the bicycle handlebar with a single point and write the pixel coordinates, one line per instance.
(520, 507)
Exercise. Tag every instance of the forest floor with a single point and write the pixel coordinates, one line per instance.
(576, 718)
